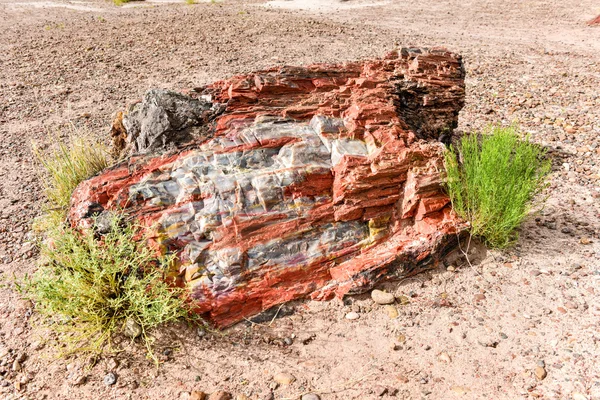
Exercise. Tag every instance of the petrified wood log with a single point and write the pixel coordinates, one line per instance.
(595, 21)
(290, 182)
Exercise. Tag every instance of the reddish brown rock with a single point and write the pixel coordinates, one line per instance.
(290, 182)
(595, 21)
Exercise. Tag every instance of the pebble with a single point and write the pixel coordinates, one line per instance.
(16, 366)
(220, 395)
(112, 364)
(79, 380)
(450, 268)
(37, 345)
(284, 378)
(391, 311)
(479, 297)
(242, 397)
(197, 395)
(310, 396)
(382, 298)
(132, 329)
(571, 305)
(352, 315)
(380, 390)
(540, 373)
(110, 379)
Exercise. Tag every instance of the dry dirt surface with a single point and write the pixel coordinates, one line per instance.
(518, 324)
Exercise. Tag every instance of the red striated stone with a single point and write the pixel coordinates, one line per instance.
(290, 182)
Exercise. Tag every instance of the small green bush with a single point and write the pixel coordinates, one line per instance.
(88, 289)
(492, 180)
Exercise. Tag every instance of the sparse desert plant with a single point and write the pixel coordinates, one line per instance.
(90, 289)
(492, 181)
(190, 2)
(90, 286)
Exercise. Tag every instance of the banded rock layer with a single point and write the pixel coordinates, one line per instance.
(290, 182)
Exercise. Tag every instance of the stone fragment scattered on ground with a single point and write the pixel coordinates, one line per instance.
(110, 379)
(220, 395)
(352, 315)
(382, 298)
(284, 378)
(391, 311)
(540, 373)
(198, 395)
(132, 329)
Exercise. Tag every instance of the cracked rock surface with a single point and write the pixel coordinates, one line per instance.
(290, 182)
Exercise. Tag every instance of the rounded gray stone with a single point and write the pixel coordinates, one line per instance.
(110, 379)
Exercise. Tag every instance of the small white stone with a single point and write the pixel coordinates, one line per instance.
(352, 315)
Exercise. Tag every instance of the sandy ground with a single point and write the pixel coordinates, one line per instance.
(472, 332)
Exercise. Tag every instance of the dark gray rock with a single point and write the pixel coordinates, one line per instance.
(166, 119)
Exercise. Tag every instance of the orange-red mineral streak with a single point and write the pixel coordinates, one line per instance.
(347, 190)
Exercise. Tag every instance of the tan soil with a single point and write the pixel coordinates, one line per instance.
(476, 333)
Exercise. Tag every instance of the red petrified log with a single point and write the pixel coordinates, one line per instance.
(291, 182)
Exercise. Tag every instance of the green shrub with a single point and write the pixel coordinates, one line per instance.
(492, 180)
(89, 286)
(88, 289)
